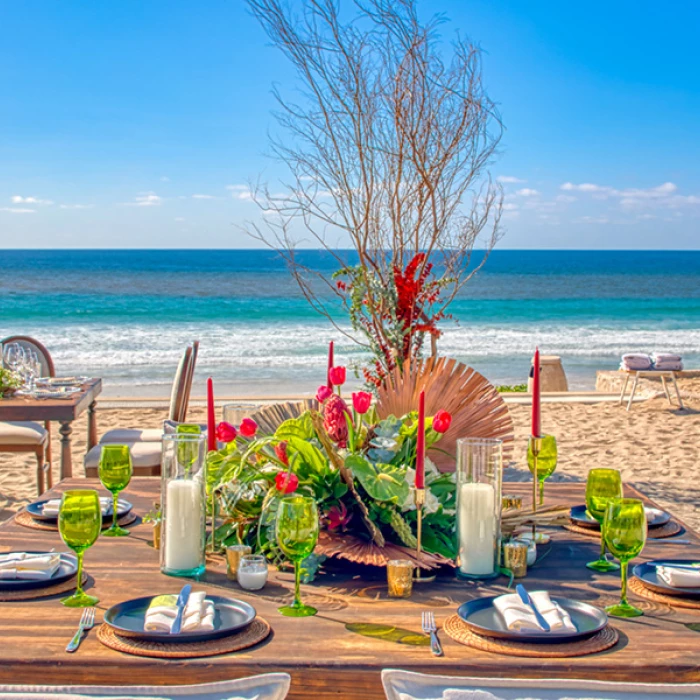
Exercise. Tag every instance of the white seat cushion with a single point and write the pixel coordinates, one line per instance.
(269, 686)
(22, 433)
(119, 436)
(143, 454)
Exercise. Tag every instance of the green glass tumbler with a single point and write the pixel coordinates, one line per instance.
(296, 529)
(601, 486)
(79, 524)
(115, 472)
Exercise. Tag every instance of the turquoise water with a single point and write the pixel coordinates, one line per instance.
(125, 315)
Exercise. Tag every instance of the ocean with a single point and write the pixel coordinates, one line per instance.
(126, 315)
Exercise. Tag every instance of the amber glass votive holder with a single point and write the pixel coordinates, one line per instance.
(234, 553)
(515, 558)
(399, 574)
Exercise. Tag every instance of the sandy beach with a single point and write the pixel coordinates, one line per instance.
(655, 446)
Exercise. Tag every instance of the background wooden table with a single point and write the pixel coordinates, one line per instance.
(325, 658)
(64, 411)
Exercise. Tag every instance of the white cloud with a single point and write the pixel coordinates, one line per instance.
(565, 198)
(509, 206)
(240, 191)
(584, 187)
(75, 206)
(592, 220)
(179, 219)
(527, 192)
(18, 210)
(509, 180)
(145, 199)
(203, 196)
(664, 195)
(17, 199)
(165, 178)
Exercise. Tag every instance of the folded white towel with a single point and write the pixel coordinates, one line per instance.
(198, 616)
(520, 617)
(678, 577)
(668, 366)
(53, 506)
(636, 361)
(29, 567)
(666, 357)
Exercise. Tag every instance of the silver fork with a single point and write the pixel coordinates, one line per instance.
(429, 627)
(87, 622)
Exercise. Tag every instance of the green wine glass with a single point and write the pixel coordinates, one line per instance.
(546, 460)
(115, 472)
(601, 486)
(625, 532)
(79, 523)
(296, 529)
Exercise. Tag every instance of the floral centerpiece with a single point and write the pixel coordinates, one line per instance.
(9, 382)
(360, 470)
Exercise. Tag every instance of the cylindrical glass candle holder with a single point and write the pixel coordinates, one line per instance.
(479, 477)
(515, 558)
(183, 496)
(399, 574)
(252, 572)
(234, 554)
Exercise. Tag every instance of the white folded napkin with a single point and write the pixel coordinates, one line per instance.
(520, 617)
(53, 506)
(29, 567)
(678, 577)
(198, 616)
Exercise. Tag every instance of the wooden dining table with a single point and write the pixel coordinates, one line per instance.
(326, 655)
(62, 411)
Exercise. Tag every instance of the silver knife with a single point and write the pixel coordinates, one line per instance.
(181, 605)
(527, 599)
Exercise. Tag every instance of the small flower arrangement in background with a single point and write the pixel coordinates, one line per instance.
(9, 382)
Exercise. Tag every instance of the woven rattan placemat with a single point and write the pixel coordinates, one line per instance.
(44, 592)
(638, 588)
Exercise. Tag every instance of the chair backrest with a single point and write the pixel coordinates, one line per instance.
(47, 366)
(188, 381)
(176, 394)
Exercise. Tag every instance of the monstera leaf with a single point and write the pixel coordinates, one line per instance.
(383, 482)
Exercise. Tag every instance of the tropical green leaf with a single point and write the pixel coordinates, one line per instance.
(383, 482)
(308, 453)
(300, 427)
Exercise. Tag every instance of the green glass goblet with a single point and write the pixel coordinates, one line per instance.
(296, 529)
(542, 460)
(601, 486)
(115, 472)
(625, 532)
(79, 523)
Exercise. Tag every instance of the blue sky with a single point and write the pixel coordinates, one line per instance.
(138, 124)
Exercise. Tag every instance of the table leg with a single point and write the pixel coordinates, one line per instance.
(634, 388)
(66, 456)
(665, 385)
(678, 393)
(92, 426)
(624, 388)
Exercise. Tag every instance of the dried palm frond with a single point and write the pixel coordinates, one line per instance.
(477, 409)
(549, 515)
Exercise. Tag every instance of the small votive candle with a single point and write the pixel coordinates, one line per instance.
(233, 559)
(399, 574)
(515, 558)
(512, 502)
(252, 572)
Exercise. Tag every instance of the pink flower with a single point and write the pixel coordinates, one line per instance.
(281, 452)
(248, 427)
(323, 393)
(286, 482)
(334, 413)
(361, 401)
(225, 432)
(337, 376)
(338, 516)
(441, 421)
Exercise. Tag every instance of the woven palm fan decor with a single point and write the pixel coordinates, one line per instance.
(477, 409)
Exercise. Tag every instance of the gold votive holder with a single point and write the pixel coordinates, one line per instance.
(156, 535)
(234, 553)
(399, 575)
(511, 502)
(515, 558)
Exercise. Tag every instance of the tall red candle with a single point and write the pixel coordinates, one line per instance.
(329, 384)
(420, 444)
(211, 416)
(536, 407)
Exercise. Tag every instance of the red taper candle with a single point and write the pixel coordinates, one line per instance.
(329, 384)
(420, 444)
(211, 416)
(536, 406)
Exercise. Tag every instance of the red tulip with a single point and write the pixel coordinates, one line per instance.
(323, 393)
(281, 452)
(441, 421)
(225, 432)
(248, 427)
(337, 376)
(286, 482)
(361, 401)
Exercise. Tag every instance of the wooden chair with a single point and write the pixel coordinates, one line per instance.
(28, 436)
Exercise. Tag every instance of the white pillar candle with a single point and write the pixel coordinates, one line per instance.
(477, 529)
(252, 580)
(183, 525)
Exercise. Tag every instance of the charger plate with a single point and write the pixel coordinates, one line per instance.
(670, 529)
(25, 519)
(36, 510)
(674, 601)
(646, 573)
(655, 517)
(45, 592)
(457, 629)
(66, 570)
(255, 633)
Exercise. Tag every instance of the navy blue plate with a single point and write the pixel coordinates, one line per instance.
(646, 573)
(67, 568)
(655, 517)
(230, 615)
(482, 618)
(36, 510)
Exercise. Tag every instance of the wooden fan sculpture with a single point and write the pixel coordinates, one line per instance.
(477, 409)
